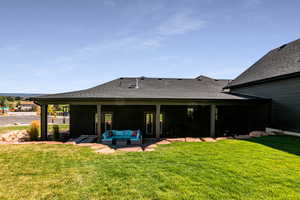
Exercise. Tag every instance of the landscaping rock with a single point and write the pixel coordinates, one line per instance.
(208, 139)
(130, 149)
(152, 146)
(70, 142)
(86, 144)
(51, 142)
(163, 142)
(223, 138)
(106, 151)
(192, 139)
(258, 134)
(15, 136)
(98, 146)
(175, 139)
(242, 137)
(149, 149)
(42, 142)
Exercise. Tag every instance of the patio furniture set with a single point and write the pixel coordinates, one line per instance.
(122, 138)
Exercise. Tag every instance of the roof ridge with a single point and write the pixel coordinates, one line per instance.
(155, 78)
(269, 65)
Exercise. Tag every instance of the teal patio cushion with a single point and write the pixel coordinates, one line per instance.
(126, 134)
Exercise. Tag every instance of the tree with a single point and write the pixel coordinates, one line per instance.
(60, 107)
(11, 99)
(50, 110)
(11, 105)
(3, 103)
(18, 103)
(38, 110)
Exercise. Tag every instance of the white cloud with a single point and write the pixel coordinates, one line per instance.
(110, 45)
(119, 44)
(179, 24)
(154, 42)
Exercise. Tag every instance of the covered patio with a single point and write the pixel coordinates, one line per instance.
(164, 119)
(160, 108)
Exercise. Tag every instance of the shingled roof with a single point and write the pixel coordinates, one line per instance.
(281, 61)
(151, 88)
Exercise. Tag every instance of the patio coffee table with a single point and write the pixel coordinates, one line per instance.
(121, 141)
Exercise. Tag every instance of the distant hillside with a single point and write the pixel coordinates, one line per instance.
(23, 95)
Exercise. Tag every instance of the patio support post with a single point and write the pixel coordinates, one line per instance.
(213, 120)
(44, 121)
(157, 121)
(99, 122)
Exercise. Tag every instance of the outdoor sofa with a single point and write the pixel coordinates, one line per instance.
(111, 136)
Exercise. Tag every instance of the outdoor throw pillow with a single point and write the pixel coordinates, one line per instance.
(134, 134)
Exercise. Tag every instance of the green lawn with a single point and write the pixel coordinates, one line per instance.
(5, 129)
(260, 168)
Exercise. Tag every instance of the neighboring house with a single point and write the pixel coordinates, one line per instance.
(265, 95)
(276, 76)
(26, 106)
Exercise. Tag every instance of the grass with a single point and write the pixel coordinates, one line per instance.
(5, 129)
(229, 169)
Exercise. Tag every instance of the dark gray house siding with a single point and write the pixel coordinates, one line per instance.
(241, 120)
(285, 95)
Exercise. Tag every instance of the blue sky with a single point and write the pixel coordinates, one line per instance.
(54, 46)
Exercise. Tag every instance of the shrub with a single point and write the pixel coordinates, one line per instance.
(56, 135)
(33, 131)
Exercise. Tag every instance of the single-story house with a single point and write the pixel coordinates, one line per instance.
(265, 95)
(26, 106)
(160, 107)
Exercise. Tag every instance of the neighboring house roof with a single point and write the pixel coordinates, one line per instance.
(26, 103)
(277, 63)
(151, 88)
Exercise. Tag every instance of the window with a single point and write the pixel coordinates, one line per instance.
(149, 123)
(96, 122)
(190, 113)
(108, 120)
(161, 120)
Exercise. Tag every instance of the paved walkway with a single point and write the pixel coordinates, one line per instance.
(148, 145)
(26, 119)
